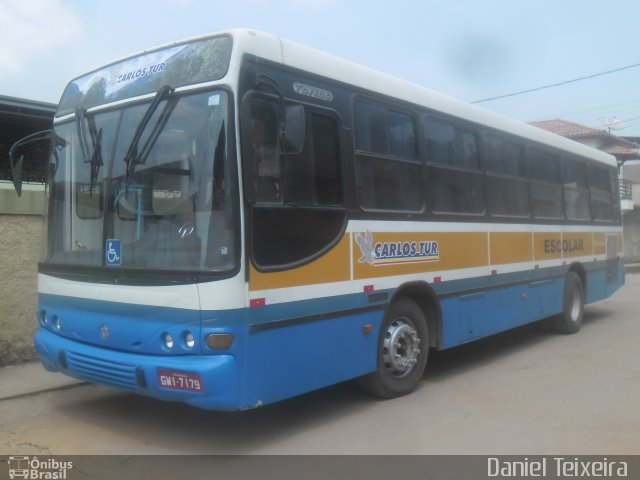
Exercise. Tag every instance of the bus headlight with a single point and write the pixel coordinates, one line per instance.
(189, 340)
(44, 320)
(168, 341)
(55, 321)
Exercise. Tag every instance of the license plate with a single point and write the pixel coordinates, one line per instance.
(174, 380)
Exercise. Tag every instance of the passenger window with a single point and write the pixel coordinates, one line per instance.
(389, 177)
(384, 132)
(543, 166)
(440, 141)
(385, 184)
(546, 189)
(506, 182)
(465, 150)
(503, 157)
(576, 190)
(455, 182)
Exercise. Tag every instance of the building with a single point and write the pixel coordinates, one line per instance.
(19, 118)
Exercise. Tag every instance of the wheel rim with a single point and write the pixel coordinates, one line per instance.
(576, 305)
(401, 348)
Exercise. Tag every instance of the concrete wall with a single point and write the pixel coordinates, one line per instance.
(21, 243)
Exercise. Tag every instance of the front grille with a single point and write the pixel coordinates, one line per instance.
(99, 370)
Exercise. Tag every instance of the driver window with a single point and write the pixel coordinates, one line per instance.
(265, 151)
(297, 210)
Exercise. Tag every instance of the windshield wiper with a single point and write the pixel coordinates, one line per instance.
(95, 156)
(134, 157)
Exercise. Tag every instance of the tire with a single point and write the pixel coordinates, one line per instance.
(570, 320)
(403, 349)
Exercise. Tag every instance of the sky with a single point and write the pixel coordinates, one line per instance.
(467, 49)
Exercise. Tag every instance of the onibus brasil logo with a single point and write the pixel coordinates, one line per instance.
(395, 252)
(38, 469)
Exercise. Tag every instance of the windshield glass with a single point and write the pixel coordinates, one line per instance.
(164, 198)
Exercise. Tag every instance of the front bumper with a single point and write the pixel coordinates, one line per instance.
(138, 373)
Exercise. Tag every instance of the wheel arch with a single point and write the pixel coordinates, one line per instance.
(579, 270)
(426, 298)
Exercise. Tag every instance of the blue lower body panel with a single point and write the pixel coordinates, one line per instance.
(473, 316)
(288, 361)
(477, 308)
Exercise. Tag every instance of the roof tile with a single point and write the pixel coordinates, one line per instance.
(569, 129)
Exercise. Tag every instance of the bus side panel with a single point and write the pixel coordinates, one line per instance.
(596, 286)
(469, 317)
(293, 359)
(601, 285)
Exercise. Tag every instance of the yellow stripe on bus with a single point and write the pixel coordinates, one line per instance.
(547, 245)
(383, 254)
(510, 247)
(577, 244)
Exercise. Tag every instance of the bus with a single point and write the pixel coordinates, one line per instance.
(18, 467)
(236, 219)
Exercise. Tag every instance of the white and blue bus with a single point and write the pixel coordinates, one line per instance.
(236, 219)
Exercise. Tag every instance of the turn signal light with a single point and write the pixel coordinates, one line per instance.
(219, 341)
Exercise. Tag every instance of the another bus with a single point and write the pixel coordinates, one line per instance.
(236, 219)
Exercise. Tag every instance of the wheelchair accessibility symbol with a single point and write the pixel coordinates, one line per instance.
(112, 253)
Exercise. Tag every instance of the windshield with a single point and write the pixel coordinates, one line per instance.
(145, 186)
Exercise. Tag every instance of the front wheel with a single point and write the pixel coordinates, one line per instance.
(403, 348)
(570, 320)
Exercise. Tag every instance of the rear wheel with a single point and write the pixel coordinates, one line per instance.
(570, 320)
(403, 348)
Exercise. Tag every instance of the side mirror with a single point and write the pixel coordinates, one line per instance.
(17, 174)
(18, 165)
(292, 130)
